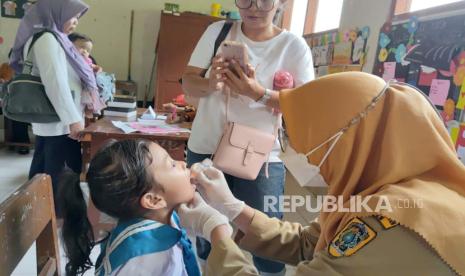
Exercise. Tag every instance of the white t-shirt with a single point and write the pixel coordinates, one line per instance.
(285, 51)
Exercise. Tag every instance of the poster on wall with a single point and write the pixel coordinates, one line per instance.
(430, 55)
(339, 50)
(15, 8)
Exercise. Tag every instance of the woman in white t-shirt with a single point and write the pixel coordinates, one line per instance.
(253, 102)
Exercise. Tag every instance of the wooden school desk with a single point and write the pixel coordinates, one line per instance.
(27, 215)
(99, 132)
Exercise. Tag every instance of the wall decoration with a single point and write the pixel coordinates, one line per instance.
(322, 55)
(389, 72)
(430, 55)
(339, 51)
(342, 53)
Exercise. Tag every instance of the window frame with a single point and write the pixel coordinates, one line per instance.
(310, 17)
(400, 9)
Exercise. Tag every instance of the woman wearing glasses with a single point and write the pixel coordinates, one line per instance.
(270, 49)
(382, 143)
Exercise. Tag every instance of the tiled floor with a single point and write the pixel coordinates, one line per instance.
(14, 171)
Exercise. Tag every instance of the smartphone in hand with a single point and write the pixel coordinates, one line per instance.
(233, 50)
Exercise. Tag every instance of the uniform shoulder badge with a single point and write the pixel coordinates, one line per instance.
(355, 235)
(387, 223)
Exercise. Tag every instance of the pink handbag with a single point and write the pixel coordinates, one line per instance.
(243, 150)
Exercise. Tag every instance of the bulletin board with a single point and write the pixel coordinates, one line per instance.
(339, 51)
(430, 55)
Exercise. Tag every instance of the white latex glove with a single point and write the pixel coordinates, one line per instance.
(200, 219)
(214, 189)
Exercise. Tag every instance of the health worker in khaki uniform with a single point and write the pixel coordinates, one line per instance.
(371, 139)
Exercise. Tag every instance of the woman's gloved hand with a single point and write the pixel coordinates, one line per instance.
(201, 219)
(214, 189)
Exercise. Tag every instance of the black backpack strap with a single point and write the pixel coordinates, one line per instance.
(222, 36)
(27, 64)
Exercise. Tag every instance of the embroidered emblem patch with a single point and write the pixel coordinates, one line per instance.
(355, 235)
(387, 223)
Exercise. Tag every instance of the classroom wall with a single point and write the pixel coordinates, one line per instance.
(107, 23)
(360, 13)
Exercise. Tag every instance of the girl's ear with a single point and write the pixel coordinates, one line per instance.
(152, 201)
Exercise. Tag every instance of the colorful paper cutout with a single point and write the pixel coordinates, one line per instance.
(461, 58)
(461, 136)
(453, 127)
(365, 32)
(359, 46)
(384, 40)
(461, 99)
(461, 144)
(412, 25)
(461, 154)
(321, 55)
(342, 53)
(346, 36)
(353, 36)
(439, 91)
(383, 55)
(426, 78)
(452, 70)
(389, 71)
(449, 110)
(401, 51)
(459, 76)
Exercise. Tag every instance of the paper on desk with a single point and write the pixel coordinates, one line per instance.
(152, 122)
(150, 115)
(123, 126)
(160, 129)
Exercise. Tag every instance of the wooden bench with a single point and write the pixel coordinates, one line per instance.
(26, 216)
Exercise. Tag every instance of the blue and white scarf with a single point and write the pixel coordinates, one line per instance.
(140, 237)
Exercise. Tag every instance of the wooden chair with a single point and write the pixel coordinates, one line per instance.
(28, 216)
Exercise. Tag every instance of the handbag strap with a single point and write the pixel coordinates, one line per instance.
(222, 36)
(228, 92)
(28, 64)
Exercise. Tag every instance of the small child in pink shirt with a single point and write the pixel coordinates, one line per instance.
(85, 44)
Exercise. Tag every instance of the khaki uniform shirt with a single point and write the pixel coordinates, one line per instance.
(392, 250)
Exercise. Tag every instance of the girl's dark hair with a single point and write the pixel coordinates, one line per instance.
(117, 179)
(77, 36)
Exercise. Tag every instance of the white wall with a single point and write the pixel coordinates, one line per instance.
(360, 13)
(107, 23)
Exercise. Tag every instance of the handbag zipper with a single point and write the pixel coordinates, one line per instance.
(28, 81)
